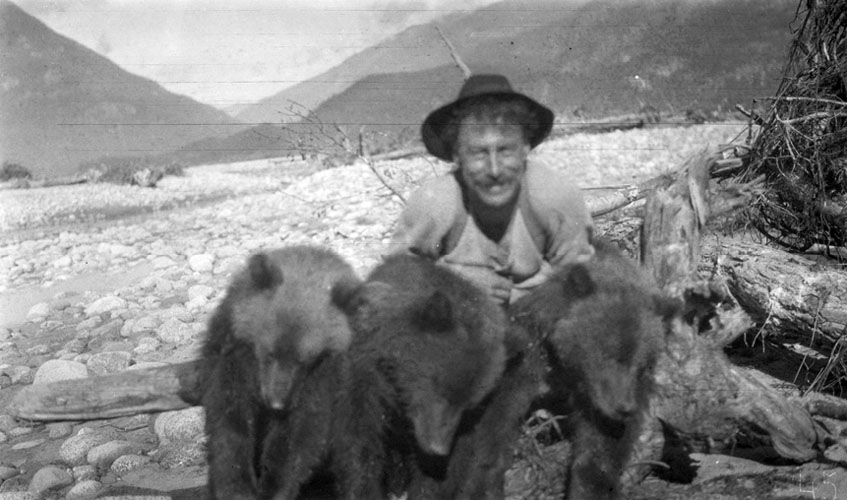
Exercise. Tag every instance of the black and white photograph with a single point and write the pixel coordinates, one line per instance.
(423, 249)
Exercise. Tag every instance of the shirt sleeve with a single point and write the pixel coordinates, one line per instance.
(561, 208)
(428, 216)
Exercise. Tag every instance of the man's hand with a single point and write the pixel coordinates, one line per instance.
(498, 287)
(529, 284)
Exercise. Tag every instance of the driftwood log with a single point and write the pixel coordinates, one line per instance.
(171, 387)
(806, 302)
(700, 396)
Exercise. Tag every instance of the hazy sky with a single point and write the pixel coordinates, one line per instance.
(230, 52)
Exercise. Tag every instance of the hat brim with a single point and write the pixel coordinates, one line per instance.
(432, 130)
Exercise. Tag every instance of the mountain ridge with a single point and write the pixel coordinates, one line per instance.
(62, 103)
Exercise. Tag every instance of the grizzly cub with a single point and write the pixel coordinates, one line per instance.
(592, 335)
(275, 322)
(428, 346)
(603, 324)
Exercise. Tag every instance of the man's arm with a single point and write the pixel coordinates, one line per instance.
(560, 207)
(427, 218)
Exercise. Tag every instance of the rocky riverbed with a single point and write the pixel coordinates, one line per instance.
(97, 279)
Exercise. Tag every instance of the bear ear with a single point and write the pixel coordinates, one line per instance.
(578, 281)
(667, 307)
(263, 273)
(437, 312)
(350, 295)
(343, 294)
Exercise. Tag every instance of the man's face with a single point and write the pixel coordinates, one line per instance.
(492, 160)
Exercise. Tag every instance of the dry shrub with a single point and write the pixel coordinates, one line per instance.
(128, 170)
(801, 146)
(11, 171)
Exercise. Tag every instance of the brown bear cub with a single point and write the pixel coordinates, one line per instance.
(593, 332)
(275, 322)
(427, 347)
(603, 324)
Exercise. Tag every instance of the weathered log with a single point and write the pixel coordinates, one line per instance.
(701, 395)
(804, 301)
(131, 392)
(699, 392)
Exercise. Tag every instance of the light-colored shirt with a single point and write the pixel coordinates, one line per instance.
(550, 227)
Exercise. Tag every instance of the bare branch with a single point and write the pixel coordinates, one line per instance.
(456, 57)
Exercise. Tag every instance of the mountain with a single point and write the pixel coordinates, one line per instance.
(61, 103)
(585, 59)
(416, 48)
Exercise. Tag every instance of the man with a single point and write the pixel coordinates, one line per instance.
(501, 221)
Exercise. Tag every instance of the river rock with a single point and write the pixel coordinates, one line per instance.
(84, 472)
(203, 291)
(84, 490)
(102, 456)
(7, 422)
(57, 430)
(49, 478)
(18, 495)
(54, 370)
(201, 263)
(38, 311)
(175, 331)
(105, 304)
(103, 363)
(74, 451)
(181, 425)
(126, 463)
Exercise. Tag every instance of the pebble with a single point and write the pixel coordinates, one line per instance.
(175, 331)
(84, 472)
(7, 472)
(56, 430)
(20, 431)
(28, 444)
(181, 425)
(201, 263)
(126, 463)
(162, 263)
(108, 329)
(38, 311)
(84, 490)
(103, 363)
(102, 456)
(74, 451)
(145, 323)
(49, 478)
(19, 374)
(201, 291)
(7, 422)
(55, 370)
(18, 495)
(105, 304)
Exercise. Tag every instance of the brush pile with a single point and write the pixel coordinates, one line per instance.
(801, 146)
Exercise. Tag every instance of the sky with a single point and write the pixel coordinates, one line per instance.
(232, 52)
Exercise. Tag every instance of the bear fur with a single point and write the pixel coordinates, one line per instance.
(428, 347)
(602, 344)
(276, 320)
(591, 336)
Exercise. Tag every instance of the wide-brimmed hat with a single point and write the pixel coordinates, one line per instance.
(433, 128)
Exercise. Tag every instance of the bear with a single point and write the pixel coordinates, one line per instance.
(276, 320)
(589, 340)
(483, 447)
(602, 343)
(428, 347)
